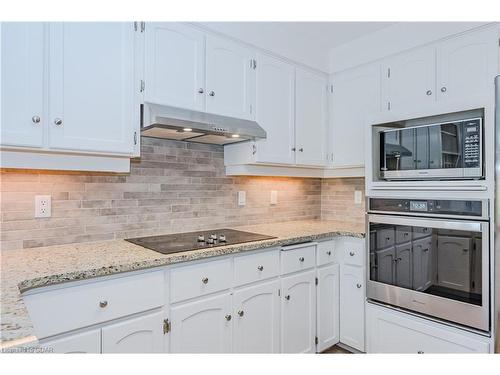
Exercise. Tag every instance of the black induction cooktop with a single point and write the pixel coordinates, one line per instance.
(175, 243)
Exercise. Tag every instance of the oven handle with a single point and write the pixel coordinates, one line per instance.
(473, 226)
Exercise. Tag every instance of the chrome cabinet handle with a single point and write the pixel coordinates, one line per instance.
(328, 253)
(358, 286)
(420, 352)
(351, 253)
(35, 119)
(103, 304)
(204, 280)
(260, 268)
(301, 259)
(58, 121)
(241, 313)
(443, 89)
(228, 317)
(293, 149)
(211, 93)
(429, 92)
(200, 90)
(287, 297)
(301, 149)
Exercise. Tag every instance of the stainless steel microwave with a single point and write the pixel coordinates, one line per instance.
(440, 151)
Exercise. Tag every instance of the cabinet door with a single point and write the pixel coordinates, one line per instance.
(310, 118)
(409, 80)
(256, 318)
(356, 93)
(23, 62)
(328, 307)
(202, 326)
(298, 313)
(275, 110)
(454, 262)
(175, 65)
(230, 77)
(404, 266)
(352, 307)
(422, 263)
(143, 334)
(467, 65)
(91, 86)
(83, 342)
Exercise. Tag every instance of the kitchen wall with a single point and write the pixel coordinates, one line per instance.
(176, 186)
(337, 199)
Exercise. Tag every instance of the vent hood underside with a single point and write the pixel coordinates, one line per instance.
(186, 125)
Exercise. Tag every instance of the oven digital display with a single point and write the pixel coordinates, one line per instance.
(418, 206)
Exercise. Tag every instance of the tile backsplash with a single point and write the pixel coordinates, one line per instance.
(175, 187)
(337, 199)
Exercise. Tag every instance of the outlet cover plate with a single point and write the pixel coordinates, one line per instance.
(43, 206)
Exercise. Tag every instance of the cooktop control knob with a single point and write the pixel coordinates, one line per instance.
(222, 238)
(201, 238)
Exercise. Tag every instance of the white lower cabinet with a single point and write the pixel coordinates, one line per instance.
(327, 324)
(256, 318)
(298, 313)
(390, 331)
(142, 334)
(202, 326)
(352, 306)
(82, 342)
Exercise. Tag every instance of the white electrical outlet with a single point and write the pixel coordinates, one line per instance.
(274, 197)
(242, 198)
(357, 196)
(43, 206)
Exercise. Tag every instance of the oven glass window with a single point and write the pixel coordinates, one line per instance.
(445, 263)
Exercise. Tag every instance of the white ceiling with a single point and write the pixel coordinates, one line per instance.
(306, 42)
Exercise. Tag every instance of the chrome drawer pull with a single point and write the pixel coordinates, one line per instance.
(228, 317)
(351, 253)
(358, 286)
(328, 253)
(103, 304)
(260, 268)
(301, 259)
(204, 280)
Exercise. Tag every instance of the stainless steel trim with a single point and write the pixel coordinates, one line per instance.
(439, 307)
(496, 255)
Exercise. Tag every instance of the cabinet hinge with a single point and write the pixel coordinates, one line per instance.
(254, 149)
(331, 89)
(316, 340)
(388, 106)
(135, 138)
(388, 72)
(317, 281)
(143, 85)
(143, 26)
(279, 292)
(141, 115)
(135, 26)
(253, 64)
(166, 326)
(251, 109)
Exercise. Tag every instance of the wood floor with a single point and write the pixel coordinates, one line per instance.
(336, 350)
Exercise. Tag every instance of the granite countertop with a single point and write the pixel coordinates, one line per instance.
(22, 270)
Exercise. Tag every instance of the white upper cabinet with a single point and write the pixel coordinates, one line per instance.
(275, 110)
(410, 79)
(310, 118)
(356, 93)
(230, 78)
(22, 90)
(91, 78)
(175, 65)
(467, 65)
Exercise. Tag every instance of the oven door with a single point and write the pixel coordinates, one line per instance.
(437, 267)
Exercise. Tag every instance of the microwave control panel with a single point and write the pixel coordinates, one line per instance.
(472, 143)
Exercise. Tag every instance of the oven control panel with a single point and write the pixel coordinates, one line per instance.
(472, 146)
(466, 208)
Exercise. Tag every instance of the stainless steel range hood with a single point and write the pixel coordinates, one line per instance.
(193, 126)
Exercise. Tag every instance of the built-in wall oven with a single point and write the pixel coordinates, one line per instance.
(435, 150)
(431, 256)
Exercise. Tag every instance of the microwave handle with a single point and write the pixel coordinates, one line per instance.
(473, 226)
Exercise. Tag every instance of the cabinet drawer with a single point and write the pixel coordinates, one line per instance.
(295, 258)
(353, 251)
(390, 331)
(385, 238)
(200, 279)
(65, 309)
(326, 252)
(254, 267)
(403, 234)
(419, 232)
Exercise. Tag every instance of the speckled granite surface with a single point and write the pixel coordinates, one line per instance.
(22, 270)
